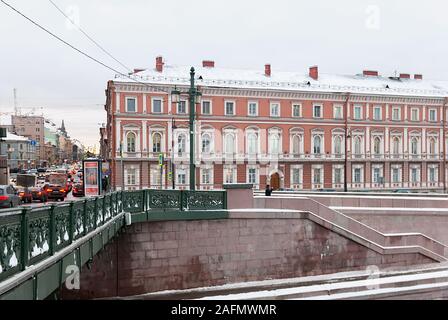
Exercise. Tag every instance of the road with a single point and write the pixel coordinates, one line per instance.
(50, 201)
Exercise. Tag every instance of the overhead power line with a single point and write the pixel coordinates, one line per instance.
(74, 48)
(89, 37)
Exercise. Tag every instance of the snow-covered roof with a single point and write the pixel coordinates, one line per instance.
(5, 120)
(292, 81)
(13, 137)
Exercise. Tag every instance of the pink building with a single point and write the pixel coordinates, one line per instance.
(286, 129)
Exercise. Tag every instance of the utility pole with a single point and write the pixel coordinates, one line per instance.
(445, 101)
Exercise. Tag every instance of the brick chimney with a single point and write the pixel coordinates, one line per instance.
(418, 77)
(159, 63)
(370, 73)
(405, 76)
(267, 70)
(314, 72)
(208, 63)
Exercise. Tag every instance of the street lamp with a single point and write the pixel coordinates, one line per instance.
(194, 97)
(173, 126)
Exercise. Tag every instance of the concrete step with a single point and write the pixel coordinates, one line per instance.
(314, 286)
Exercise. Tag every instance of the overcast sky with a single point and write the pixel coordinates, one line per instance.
(343, 37)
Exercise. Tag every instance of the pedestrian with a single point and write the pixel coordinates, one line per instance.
(268, 190)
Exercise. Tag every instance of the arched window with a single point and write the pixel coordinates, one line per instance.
(377, 145)
(130, 139)
(432, 146)
(414, 146)
(296, 142)
(337, 145)
(357, 145)
(181, 143)
(274, 143)
(206, 143)
(156, 142)
(396, 146)
(230, 143)
(317, 145)
(252, 143)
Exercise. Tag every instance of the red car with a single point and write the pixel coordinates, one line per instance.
(78, 190)
(25, 195)
(55, 192)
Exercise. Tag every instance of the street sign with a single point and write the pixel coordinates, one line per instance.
(160, 159)
(33, 142)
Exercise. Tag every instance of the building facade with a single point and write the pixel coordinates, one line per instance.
(32, 127)
(288, 130)
(19, 151)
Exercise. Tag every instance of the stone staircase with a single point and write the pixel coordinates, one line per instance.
(424, 282)
(355, 230)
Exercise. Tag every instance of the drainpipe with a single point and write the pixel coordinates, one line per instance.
(345, 140)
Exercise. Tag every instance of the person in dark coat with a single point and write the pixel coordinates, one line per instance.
(268, 190)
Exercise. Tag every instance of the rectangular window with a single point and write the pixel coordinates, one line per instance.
(206, 176)
(414, 114)
(337, 112)
(252, 175)
(275, 110)
(206, 107)
(182, 107)
(295, 176)
(181, 178)
(395, 175)
(377, 175)
(252, 109)
(357, 175)
(337, 175)
(131, 177)
(296, 110)
(432, 174)
(414, 175)
(396, 115)
(317, 175)
(230, 108)
(131, 105)
(229, 175)
(432, 115)
(317, 111)
(156, 105)
(377, 113)
(357, 113)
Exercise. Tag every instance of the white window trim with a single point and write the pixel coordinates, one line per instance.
(235, 141)
(418, 114)
(300, 109)
(400, 173)
(248, 108)
(357, 106)
(258, 147)
(202, 107)
(321, 110)
(300, 168)
(126, 103)
(322, 173)
(361, 173)
(152, 104)
(234, 173)
(212, 140)
(337, 166)
(322, 143)
(257, 174)
(225, 107)
(429, 114)
(208, 167)
(291, 142)
(381, 113)
(280, 140)
(279, 109)
(335, 106)
(186, 106)
(162, 141)
(333, 144)
(399, 113)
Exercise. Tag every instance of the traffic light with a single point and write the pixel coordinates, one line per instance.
(160, 159)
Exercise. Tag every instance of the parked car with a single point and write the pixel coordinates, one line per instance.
(55, 192)
(78, 190)
(25, 195)
(8, 197)
(39, 194)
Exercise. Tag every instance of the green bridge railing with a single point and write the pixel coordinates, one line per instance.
(28, 235)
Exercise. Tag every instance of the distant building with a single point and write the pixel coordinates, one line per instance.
(19, 151)
(31, 127)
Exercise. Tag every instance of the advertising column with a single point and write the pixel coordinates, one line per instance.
(92, 177)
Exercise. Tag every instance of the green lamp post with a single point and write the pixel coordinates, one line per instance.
(194, 96)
